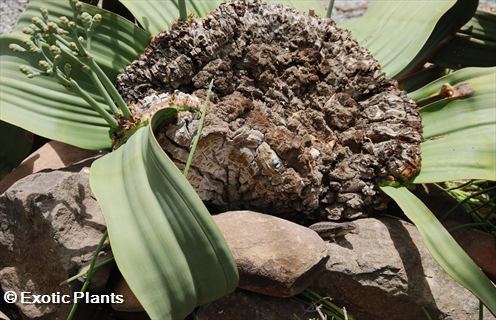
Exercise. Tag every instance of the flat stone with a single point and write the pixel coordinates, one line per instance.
(244, 305)
(50, 226)
(275, 257)
(386, 272)
(52, 155)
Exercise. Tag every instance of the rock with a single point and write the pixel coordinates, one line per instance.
(131, 303)
(101, 275)
(52, 155)
(50, 226)
(275, 257)
(244, 305)
(386, 272)
(479, 245)
(345, 9)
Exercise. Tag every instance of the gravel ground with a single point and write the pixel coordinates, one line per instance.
(346, 9)
(9, 13)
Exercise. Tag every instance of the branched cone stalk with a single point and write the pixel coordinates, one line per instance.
(63, 53)
(303, 122)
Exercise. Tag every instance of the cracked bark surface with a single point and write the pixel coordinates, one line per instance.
(302, 124)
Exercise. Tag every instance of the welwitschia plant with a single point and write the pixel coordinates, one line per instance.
(163, 239)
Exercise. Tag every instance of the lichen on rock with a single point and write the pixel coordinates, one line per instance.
(302, 118)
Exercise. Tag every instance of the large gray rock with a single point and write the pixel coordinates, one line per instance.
(346, 9)
(274, 256)
(385, 272)
(50, 226)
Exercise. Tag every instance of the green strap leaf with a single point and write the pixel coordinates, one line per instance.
(403, 33)
(157, 15)
(45, 107)
(163, 238)
(443, 248)
(14, 147)
(460, 133)
(473, 46)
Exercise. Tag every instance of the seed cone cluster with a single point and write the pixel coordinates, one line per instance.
(303, 122)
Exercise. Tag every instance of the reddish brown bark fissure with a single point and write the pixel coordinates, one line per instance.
(303, 122)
